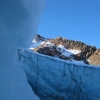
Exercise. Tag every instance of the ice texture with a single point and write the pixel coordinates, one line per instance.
(19, 21)
(56, 79)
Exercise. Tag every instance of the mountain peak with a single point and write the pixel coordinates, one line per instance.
(65, 49)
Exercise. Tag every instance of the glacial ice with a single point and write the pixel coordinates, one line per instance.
(56, 79)
(19, 20)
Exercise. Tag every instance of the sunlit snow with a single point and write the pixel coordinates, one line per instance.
(61, 48)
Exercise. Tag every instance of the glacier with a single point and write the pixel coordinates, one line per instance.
(55, 79)
(19, 21)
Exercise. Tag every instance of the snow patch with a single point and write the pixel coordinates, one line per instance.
(67, 52)
(36, 44)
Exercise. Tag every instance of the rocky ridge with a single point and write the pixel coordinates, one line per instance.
(66, 49)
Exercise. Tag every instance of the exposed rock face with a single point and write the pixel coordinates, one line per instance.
(54, 79)
(77, 45)
(95, 58)
(39, 38)
(51, 51)
(86, 53)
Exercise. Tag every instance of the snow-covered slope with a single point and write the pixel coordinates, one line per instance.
(58, 48)
(66, 49)
(56, 79)
(19, 20)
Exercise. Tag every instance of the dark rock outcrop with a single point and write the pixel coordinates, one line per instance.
(51, 51)
(39, 38)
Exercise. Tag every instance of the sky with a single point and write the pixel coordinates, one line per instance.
(77, 20)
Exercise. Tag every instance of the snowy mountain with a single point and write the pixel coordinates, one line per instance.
(60, 74)
(65, 49)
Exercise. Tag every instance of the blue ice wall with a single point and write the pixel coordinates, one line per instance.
(53, 79)
(19, 21)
